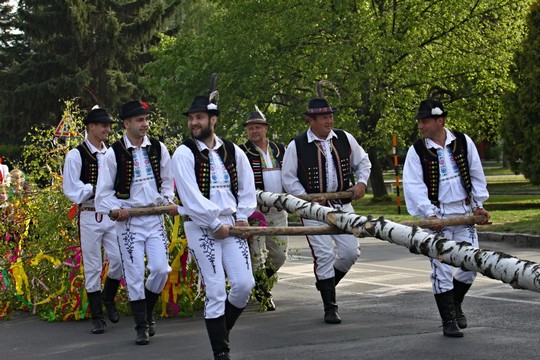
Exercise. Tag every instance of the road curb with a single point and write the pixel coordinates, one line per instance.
(515, 239)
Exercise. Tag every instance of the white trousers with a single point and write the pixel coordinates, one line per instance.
(216, 260)
(138, 236)
(95, 231)
(270, 250)
(340, 251)
(442, 274)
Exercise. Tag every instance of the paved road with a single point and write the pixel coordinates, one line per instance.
(386, 304)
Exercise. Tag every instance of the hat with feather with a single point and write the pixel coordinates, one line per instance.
(256, 117)
(320, 105)
(206, 103)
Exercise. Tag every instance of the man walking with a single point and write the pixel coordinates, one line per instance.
(81, 170)
(137, 173)
(321, 160)
(268, 253)
(443, 178)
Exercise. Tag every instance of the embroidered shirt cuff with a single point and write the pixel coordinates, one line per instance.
(216, 224)
(241, 218)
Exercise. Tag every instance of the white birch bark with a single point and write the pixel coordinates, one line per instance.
(520, 274)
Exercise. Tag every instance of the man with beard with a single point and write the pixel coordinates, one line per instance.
(216, 187)
(137, 173)
(79, 185)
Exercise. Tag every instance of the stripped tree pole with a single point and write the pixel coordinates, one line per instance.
(326, 230)
(520, 274)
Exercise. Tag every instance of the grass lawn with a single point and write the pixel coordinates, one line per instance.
(514, 207)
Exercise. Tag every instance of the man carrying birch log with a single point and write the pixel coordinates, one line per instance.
(217, 189)
(321, 160)
(268, 253)
(443, 178)
(137, 173)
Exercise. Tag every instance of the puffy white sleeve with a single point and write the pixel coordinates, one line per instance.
(360, 164)
(414, 188)
(74, 189)
(289, 171)
(105, 195)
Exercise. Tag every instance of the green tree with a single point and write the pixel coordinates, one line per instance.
(521, 128)
(383, 56)
(13, 49)
(93, 50)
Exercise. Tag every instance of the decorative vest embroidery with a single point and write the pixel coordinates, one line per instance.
(312, 169)
(278, 150)
(89, 169)
(202, 165)
(430, 164)
(124, 163)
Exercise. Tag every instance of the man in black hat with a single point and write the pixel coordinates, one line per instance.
(324, 160)
(443, 178)
(215, 183)
(80, 178)
(268, 253)
(137, 173)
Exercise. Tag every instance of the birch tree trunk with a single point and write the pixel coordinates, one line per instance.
(520, 274)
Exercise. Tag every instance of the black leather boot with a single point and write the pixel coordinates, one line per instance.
(232, 313)
(327, 288)
(109, 293)
(447, 310)
(218, 334)
(138, 309)
(151, 299)
(98, 324)
(339, 275)
(460, 289)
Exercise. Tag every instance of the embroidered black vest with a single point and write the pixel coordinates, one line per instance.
(89, 169)
(278, 150)
(227, 154)
(430, 164)
(124, 166)
(311, 155)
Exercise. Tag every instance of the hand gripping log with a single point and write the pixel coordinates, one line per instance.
(520, 274)
(151, 210)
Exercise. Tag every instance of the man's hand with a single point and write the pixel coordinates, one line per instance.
(122, 215)
(222, 232)
(482, 211)
(436, 227)
(358, 190)
(246, 224)
(173, 212)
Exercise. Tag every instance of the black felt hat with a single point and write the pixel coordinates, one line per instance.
(134, 108)
(319, 106)
(256, 117)
(430, 108)
(98, 115)
(202, 103)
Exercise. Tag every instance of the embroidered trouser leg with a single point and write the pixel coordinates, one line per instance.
(216, 260)
(442, 274)
(96, 230)
(139, 236)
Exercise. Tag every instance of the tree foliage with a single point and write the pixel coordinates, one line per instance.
(93, 50)
(521, 127)
(383, 56)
